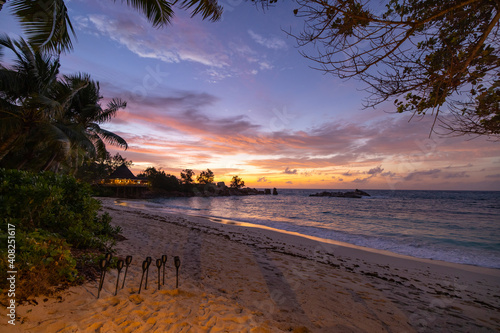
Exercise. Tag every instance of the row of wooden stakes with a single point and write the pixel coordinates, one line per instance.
(104, 264)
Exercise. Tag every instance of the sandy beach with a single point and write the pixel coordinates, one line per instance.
(236, 278)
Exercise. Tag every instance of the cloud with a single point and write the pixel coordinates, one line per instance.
(182, 113)
(493, 176)
(289, 182)
(186, 40)
(435, 173)
(419, 174)
(262, 180)
(375, 171)
(188, 43)
(361, 180)
(182, 129)
(289, 171)
(462, 174)
(329, 145)
(273, 43)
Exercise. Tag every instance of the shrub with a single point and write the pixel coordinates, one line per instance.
(50, 213)
(55, 203)
(43, 260)
(159, 180)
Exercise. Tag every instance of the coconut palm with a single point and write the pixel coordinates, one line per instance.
(82, 118)
(48, 26)
(27, 104)
(46, 121)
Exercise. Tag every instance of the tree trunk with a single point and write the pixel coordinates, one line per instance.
(49, 163)
(7, 145)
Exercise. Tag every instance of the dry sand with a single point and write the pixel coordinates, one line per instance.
(241, 279)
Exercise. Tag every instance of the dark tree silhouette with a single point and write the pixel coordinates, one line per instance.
(427, 56)
(187, 176)
(237, 182)
(160, 180)
(205, 177)
(49, 122)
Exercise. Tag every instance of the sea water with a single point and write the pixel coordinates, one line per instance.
(453, 226)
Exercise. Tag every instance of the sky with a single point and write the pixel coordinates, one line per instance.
(237, 97)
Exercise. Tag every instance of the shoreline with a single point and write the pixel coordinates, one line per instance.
(244, 279)
(219, 220)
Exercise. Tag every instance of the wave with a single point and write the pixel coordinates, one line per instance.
(406, 222)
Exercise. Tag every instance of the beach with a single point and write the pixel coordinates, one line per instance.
(238, 278)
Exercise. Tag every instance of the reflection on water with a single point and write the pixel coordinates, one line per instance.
(455, 226)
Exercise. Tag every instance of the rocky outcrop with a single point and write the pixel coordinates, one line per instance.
(357, 194)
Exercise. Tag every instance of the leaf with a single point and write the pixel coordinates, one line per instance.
(46, 23)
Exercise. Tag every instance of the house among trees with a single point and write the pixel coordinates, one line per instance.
(124, 184)
(122, 176)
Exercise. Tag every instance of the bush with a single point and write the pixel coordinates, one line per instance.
(102, 191)
(50, 213)
(159, 180)
(55, 203)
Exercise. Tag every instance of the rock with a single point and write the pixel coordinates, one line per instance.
(362, 193)
(357, 194)
(275, 191)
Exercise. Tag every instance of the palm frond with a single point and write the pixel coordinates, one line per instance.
(7, 42)
(46, 23)
(68, 90)
(78, 137)
(113, 107)
(99, 145)
(158, 12)
(207, 8)
(109, 137)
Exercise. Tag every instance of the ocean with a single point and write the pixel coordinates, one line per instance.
(454, 226)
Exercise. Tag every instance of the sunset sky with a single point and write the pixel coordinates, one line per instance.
(237, 97)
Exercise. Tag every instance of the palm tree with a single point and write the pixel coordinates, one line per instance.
(47, 23)
(27, 104)
(82, 118)
(46, 121)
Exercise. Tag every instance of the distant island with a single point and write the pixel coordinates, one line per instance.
(353, 194)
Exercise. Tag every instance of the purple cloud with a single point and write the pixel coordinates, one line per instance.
(493, 176)
(375, 171)
(289, 171)
(418, 174)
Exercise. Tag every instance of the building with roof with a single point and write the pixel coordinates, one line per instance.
(124, 184)
(122, 176)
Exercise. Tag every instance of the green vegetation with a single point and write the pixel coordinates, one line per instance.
(50, 213)
(93, 171)
(169, 185)
(159, 180)
(49, 122)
